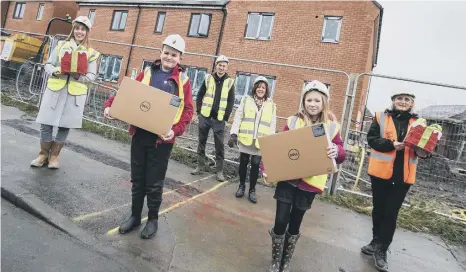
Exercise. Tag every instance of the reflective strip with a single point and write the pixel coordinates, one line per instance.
(292, 124)
(332, 128)
(413, 160)
(267, 124)
(206, 104)
(382, 157)
(248, 120)
(382, 124)
(261, 134)
(246, 131)
(223, 99)
(222, 108)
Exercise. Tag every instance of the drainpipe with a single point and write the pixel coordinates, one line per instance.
(132, 41)
(220, 36)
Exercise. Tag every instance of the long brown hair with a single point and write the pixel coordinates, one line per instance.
(86, 41)
(254, 89)
(325, 116)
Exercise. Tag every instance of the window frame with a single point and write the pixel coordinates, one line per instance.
(113, 18)
(340, 22)
(105, 72)
(248, 83)
(41, 5)
(197, 68)
(92, 11)
(191, 21)
(157, 22)
(144, 61)
(22, 7)
(257, 37)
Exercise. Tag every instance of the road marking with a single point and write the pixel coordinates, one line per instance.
(89, 215)
(113, 231)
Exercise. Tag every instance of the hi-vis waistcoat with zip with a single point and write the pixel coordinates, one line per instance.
(208, 100)
(381, 163)
(247, 128)
(181, 81)
(333, 128)
(74, 87)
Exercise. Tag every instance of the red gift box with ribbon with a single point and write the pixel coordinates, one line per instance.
(423, 136)
(74, 62)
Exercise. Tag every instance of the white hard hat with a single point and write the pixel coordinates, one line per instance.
(261, 78)
(175, 41)
(83, 20)
(318, 86)
(222, 58)
(395, 94)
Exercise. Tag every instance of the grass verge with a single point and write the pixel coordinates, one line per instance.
(419, 217)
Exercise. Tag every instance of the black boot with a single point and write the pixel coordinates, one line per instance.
(252, 195)
(290, 244)
(135, 219)
(150, 229)
(380, 258)
(370, 248)
(241, 189)
(277, 251)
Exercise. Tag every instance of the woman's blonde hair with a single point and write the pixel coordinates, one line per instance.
(325, 116)
(86, 41)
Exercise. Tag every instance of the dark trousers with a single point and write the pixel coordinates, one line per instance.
(387, 198)
(243, 169)
(148, 168)
(287, 215)
(205, 124)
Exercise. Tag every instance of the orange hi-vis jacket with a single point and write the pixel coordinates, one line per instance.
(381, 163)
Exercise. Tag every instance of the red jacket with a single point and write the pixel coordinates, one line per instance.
(180, 127)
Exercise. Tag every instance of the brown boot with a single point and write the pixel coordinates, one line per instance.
(43, 154)
(54, 152)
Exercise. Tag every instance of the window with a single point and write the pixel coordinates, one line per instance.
(146, 63)
(259, 26)
(119, 20)
(331, 29)
(199, 25)
(160, 22)
(19, 10)
(40, 12)
(91, 15)
(109, 69)
(244, 83)
(196, 77)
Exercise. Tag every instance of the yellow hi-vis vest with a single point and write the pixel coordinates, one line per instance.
(181, 81)
(208, 100)
(74, 87)
(333, 129)
(247, 127)
(381, 163)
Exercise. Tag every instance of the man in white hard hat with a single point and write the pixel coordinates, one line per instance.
(150, 152)
(215, 101)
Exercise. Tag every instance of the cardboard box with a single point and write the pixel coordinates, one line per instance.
(296, 154)
(145, 107)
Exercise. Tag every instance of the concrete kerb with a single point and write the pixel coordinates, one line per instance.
(30, 203)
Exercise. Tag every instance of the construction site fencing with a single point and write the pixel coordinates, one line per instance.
(441, 177)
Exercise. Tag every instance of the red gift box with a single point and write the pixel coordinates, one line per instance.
(75, 62)
(423, 136)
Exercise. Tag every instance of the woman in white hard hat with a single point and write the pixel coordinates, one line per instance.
(63, 101)
(295, 197)
(392, 169)
(150, 152)
(255, 117)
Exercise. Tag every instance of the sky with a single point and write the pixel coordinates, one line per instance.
(423, 40)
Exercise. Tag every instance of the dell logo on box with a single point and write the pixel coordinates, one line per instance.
(145, 106)
(293, 154)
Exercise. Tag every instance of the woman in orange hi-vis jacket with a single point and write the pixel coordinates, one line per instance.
(392, 169)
